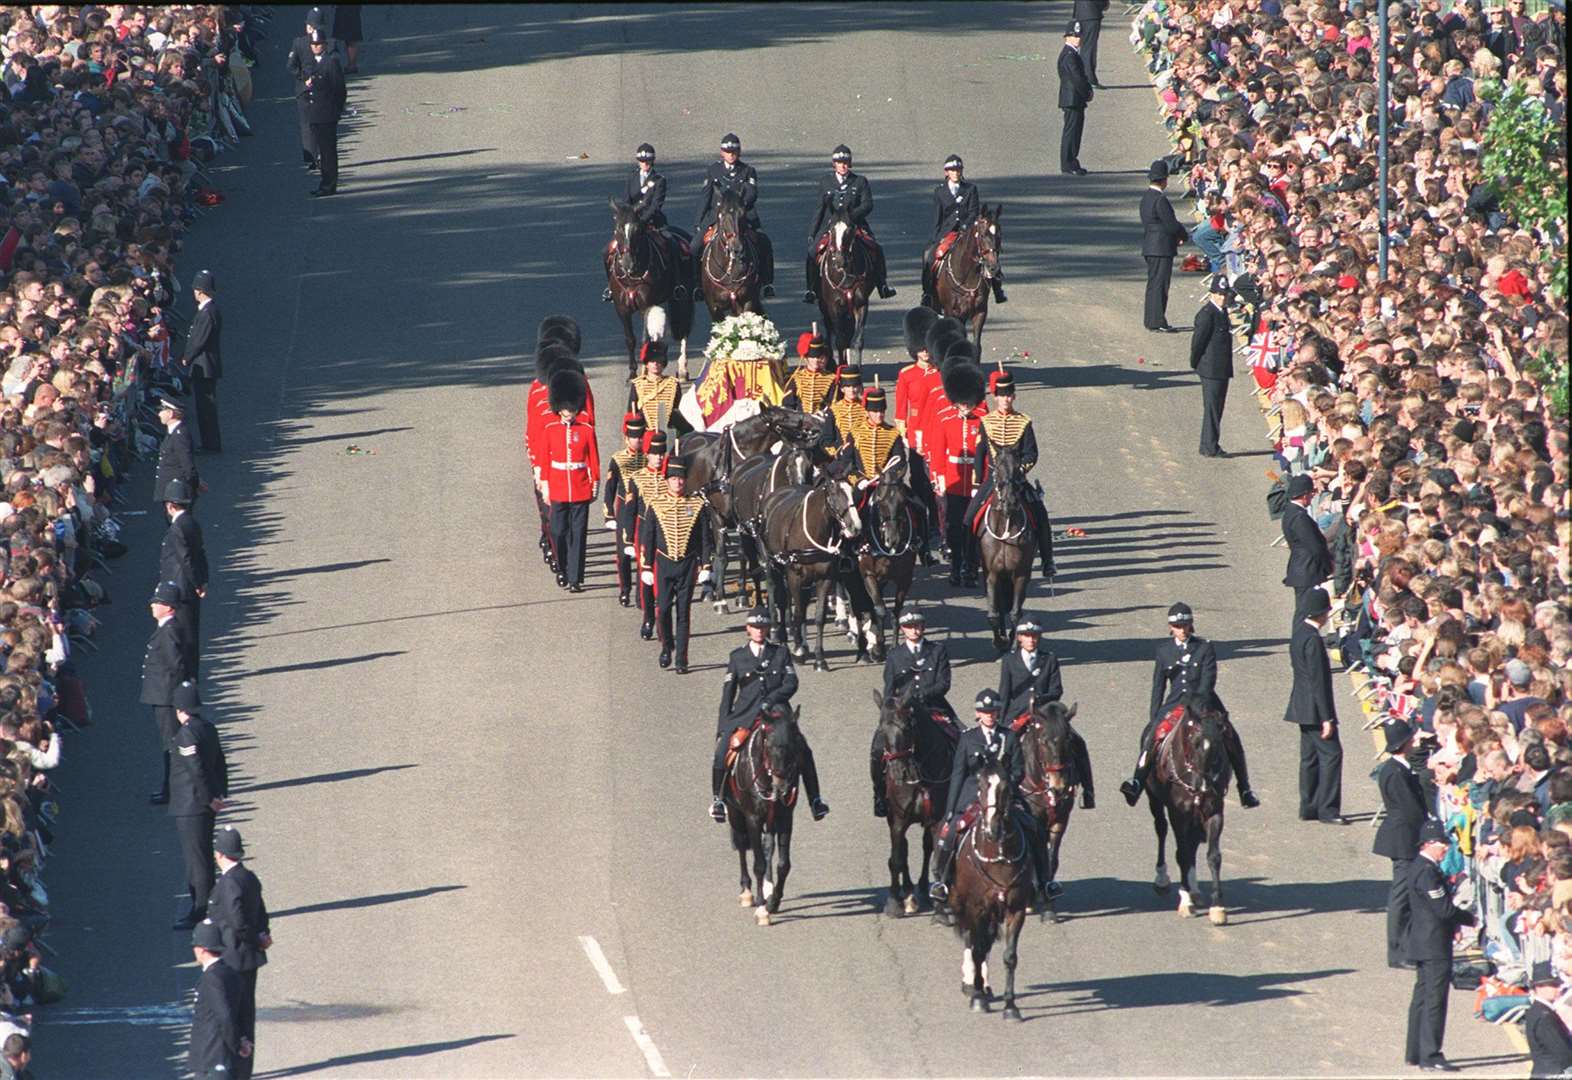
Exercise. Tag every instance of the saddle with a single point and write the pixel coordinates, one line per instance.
(861, 235)
(958, 825)
(1166, 725)
(945, 245)
(737, 740)
(942, 721)
(982, 514)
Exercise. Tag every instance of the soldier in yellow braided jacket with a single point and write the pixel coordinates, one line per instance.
(1004, 427)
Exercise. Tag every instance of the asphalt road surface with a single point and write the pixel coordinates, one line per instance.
(477, 806)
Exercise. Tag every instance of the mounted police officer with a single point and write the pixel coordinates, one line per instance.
(921, 669)
(732, 174)
(645, 191)
(843, 191)
(1001, 428)
(989, 743)
(758, 674)
(1186, 673)
(955, 207)
(1029, 676)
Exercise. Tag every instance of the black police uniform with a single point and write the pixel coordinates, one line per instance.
(1186, 673)
(1012, 430)
(1433, 921)
(1023, 684)
(204, 359)
(975, 751)
(1310, 705)
(182, 558)
(1161, 235)
(325, 97)
(742, 181)
(237, 909)
(924, 673)
(646, 193)
(1075, 93)
(675, 534)
(1397, 838)
(176, 460)
(1309, 555)
(215, 1023)
(953, 211)
(1089, 13)
(198, 775)
(163, 669)
(1212, 358)
(852, 196)
(751, 683)
(299, 59)
(1549, 1045)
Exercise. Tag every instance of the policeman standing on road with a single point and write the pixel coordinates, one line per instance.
(236, 908)
(299, 62)
(1075, 94)
(1212, 358)
(1312, 708)
(1433, 922)
(732, 174)
(176, 457)
(1161, 235)
(217, 1044)
(1397, 837)
(675, 536)
(198, 785)
(182, 559)
(204, 359)
(163, 670)
(325, 93)
(1309, 555)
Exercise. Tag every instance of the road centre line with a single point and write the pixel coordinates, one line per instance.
(602, 966)
(652, 1056)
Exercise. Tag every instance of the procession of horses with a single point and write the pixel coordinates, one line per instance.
(789, 530)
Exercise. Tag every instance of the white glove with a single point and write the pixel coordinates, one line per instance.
(648, 577)
(864, 484)
(611, 525)
(704, 577)
(628, 551)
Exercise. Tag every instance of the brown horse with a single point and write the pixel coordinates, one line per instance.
(916, 787)
(647, 277)
(760, 793)
(1189, 779)
(1050, 785)
(804, 531)
(961, 280)
(993, 888)
(1006, 547)
(845, 283)
(729, 270)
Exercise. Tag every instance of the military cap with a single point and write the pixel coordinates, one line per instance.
(811, 343)
(226, 841)
(655, 442)
(645, 152)
(958, 351)
(170, 403)
(841, 153)
(988, 701)
(731, 143)
(177, 491)
(653, 349)
(849, 375)
(1074, 29)
(919, 320)
(208, 936)
(633, 425)
(564, 328)
(677, 467)
(913, 617)
(166, 593)
(873, 399)
(1002, 384)
(757, 617)
(1218, 283)
(942, 333)
(185, 697)
(1180, 614)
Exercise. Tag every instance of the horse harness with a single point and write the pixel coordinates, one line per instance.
(759, 765)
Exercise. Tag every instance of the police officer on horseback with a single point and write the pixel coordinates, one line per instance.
(989, 743)
(955, 207)
(843, 191)
(1186, 674)
(1005, 428)
(732, 174)
(758, 674)
(1028, 677)
(919, 668)
(645, 191)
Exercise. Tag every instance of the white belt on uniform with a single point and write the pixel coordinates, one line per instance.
(570, 464)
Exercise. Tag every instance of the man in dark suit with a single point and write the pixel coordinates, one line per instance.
(198, 784)
(217, 1044)
(1397, 838)
(1089, 13)
(164, 669)
(1311, 707)
(1161, 235)
(237, 909)
(182, 559)
(204, 359)
(1309, 555)
(1549, 1045)
(1029, 676)
(1212, 358)
(989, 743)
(1432, 924)
(919, 667)
(299, 60)
(176, 458)
(1075, 93)
(325, 94)
(758, 674)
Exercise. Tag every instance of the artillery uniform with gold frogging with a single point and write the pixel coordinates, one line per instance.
(647, 483)
(810, 386)
(619, 500)
(654, 394)
(675, 536)
(1005, 428)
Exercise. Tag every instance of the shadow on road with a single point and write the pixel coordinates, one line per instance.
(366, 901)
(392, 1053)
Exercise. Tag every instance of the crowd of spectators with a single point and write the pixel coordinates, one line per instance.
(108, 115)
(1416, 401)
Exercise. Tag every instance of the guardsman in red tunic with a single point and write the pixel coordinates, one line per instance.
(619, 497)
(957, 425)
(917, 380)
(648, 482)
(571, 463)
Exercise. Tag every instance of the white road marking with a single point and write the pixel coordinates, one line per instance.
(602, 966)
(652, 1056)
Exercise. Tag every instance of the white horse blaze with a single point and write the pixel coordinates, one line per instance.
(840, 233)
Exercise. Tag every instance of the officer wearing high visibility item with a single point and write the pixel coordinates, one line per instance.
(571, 463)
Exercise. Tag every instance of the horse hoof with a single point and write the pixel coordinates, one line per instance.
(1060, 917)
(720, 607)
(1161, 882)
(1185, 910)
(967, 991)
(761, 916)
(820, 665)
(892, 908)
(1011, 1012)
(911, 907)
(745, 899)
(979, 1003)
(1218, 915)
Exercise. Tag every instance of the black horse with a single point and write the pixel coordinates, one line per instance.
(916, 788)
(890, 555)
(1007, 546)
(729, 269)
(751, 483)
(1050, 785)
(961, 280)
(993, 888)
(846, 279)
(647, 277)
(760, 793)
(804, 532)
(1189, 779)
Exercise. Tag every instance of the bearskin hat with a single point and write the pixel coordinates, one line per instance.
(959, 352)
(550, 358)
(919, 320)
(567, 390)
(562, 328)
(963, 384)
(941, 334)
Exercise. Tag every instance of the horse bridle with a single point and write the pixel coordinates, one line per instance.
(1009, 537)
(909, 534)
(982, 268)
(768, 797)
(847, 272)
(726, 281)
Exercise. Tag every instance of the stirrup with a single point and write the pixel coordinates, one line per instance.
(939, 891)
(718, 811)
